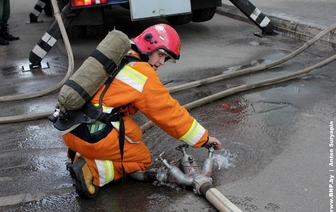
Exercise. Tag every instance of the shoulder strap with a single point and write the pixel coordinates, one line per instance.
(97, 112)
(115, 115)
(109, 65)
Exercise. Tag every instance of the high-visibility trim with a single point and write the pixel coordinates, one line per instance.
(39, 51)
(50, 40)
(36, 13)
(37, 9)
(105, 171)
(265, 22)
(106, 109)
(258, 14)
(255, 14)
(115, 124)
(194, 134)
(132, 77)
(93, 128)
(41, 4)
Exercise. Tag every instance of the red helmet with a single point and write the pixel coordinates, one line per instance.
(159, 37)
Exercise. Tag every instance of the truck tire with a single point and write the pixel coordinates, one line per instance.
(94, 30)
(179, 19)
(202, 15)
(75, 31)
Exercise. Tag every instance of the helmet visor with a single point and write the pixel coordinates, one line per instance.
(169, 57)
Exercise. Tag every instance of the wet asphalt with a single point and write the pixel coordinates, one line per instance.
(276, 153)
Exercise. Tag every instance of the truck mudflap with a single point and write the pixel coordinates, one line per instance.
(50, 37)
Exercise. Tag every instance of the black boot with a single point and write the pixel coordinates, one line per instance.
(5, 35)
(83, 177)
(3, 41)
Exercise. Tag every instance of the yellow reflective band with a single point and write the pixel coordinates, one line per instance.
(93, 128)
(132, 77)
(105, 171)
(106, 109)
(194, 133)
(131, 72)
(101, 126)
(191, 132)
(116, 124)
(109, 175)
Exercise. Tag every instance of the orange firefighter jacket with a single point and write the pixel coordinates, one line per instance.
(138, 86)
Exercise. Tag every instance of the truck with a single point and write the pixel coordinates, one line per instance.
(89, 15)
(177, 12)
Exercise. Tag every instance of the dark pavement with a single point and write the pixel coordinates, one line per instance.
(276, 153)
(301, 19)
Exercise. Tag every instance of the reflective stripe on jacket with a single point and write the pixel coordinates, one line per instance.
(140, 85)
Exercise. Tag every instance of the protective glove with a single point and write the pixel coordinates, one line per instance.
(212, 141)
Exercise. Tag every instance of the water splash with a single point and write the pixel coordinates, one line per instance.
(225, 159)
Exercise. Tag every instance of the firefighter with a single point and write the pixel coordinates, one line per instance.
(4, 16)
(99, 157)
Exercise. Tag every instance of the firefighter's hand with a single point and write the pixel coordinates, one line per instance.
(215, 142)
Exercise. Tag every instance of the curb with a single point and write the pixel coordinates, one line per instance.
(290, 27)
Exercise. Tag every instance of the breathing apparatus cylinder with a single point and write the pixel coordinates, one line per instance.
(94, 72)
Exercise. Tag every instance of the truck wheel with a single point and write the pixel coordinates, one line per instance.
(75, 31)
(202, 15)
(94, 30)
(179, 19)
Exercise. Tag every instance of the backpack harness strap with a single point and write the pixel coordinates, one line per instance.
(74, 85)
(109, 65)
(89, 113)
(115, 115)
(96, 112)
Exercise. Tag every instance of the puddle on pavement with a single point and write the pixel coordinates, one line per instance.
(20, 79)
(263, 61)
(50, 66)
(35, 135)
(252, 132)
(32, 152)
(30, 106)
(28, 167)
(252, 127)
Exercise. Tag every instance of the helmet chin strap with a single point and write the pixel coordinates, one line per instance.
(144, 57)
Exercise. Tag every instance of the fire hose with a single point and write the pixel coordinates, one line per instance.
(191, 172)
(42, 115)
(200, 180)
(58, 17)
(29, 117)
